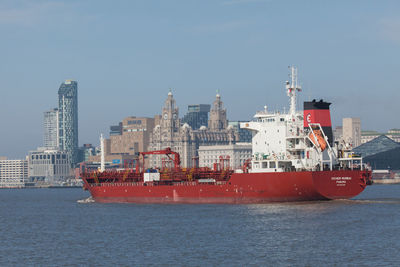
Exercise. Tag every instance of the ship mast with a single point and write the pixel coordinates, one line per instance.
(102, 161)
(292, 88)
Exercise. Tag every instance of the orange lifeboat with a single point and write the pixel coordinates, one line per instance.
(320, 139)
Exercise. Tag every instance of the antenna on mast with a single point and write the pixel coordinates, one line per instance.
(292, 88)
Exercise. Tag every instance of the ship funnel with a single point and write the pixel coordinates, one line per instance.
(318, 112)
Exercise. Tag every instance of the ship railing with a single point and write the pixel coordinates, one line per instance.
(160, 183)
(352, 163)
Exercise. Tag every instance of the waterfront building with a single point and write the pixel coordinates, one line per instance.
(183, 139)
(394, 134)
(68, 119)
(337, 133)
(130, 136)
(367, 136)
(352, 131)
(197, 116)
(234, 154)
(380, 153)
(13, 173)
(49, 166)
(50, 127)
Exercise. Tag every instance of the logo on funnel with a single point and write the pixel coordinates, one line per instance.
(308, 117)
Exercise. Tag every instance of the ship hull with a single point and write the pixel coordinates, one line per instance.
(241, 188)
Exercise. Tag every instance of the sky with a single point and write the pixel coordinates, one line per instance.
(125, 55)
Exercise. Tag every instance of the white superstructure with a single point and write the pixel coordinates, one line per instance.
(281, 143)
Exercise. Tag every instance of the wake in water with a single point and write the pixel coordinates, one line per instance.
(86, 200)
(304, 203)
(369, 201)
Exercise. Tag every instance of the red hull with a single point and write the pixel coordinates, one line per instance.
(240, 188)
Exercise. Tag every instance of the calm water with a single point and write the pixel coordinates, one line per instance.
(47, 227)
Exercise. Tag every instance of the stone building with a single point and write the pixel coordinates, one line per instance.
(338, 133)
(183, 139)
(235, 154)
(352, 131)
(50, 166)
(217, 121)
(127, 139)
(133, 136)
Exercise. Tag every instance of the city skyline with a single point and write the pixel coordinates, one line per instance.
(126, 56)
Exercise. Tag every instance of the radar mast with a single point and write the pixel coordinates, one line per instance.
(292, 88)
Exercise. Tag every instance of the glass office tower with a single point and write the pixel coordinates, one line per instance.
(50, 125)
(68, 119)
(197, 115)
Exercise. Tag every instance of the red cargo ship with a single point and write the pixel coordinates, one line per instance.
(293, 159)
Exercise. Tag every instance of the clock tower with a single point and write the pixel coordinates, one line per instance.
(218, 121)
(170, 116)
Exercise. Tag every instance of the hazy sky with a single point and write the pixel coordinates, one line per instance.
(125, 56)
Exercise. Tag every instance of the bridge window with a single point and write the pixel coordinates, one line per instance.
(265, 165)
(272, 164)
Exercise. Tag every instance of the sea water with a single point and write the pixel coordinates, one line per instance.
(52, 227)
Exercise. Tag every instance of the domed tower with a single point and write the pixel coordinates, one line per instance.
(217, 121)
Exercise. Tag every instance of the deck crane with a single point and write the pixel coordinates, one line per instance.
(168, 152)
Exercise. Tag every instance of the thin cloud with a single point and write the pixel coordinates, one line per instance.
(390, 29)
(28, 13)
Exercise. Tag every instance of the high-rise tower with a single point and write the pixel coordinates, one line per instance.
(50, 125)
(68, 119)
